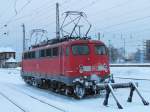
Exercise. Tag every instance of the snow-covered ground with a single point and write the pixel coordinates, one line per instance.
(25, 97)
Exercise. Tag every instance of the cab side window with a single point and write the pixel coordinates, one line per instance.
(67, 51)
(49, 52)
(55, 51)
(42, 53)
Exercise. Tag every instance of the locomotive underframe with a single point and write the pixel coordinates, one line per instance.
(88, 86)
(64, 79)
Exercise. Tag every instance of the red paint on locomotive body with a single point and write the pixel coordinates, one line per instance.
(69, 62)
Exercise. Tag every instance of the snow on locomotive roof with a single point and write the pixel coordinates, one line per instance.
(6, 49)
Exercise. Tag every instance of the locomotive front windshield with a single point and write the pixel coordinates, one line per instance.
(100, 50)
(80, 49)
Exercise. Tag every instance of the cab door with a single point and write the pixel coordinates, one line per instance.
(66, 59)
(61, 60)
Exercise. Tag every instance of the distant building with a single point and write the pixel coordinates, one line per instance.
(137, 55)
(6, 54)
(11, 63)
(148, 50)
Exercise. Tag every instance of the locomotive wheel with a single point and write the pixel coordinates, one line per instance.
(79, 91)
(69, 91)
(34, 83)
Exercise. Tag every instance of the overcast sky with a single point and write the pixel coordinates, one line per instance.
(116, 20)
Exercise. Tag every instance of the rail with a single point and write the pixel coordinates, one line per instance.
(14, 103)
(37, 99)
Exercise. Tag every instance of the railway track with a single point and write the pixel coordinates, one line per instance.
(44, 102)
(37, 99)
(12, 102)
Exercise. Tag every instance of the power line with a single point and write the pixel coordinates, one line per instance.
(64, 2)
(13, 18)
(125, 22)
(15, 6)
(49, 16)
(90, 4)
(29, 15)
(9, 21)
(128, 13)
(125, 29)
(110, 8)
(28, 2)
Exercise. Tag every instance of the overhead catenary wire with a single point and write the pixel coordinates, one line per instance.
(127, 14)
(116, 6)
(10, 20)
(110, 8)
(89, 5)
(47, 17)
(119, 5)
(126, 29)
(31, 14)
(14, 17)
(64, 2)
(125, 22)
(93, 2)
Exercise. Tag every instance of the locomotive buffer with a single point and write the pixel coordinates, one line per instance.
(109, 89)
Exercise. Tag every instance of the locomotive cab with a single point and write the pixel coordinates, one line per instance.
(87, 59)
(86, 63)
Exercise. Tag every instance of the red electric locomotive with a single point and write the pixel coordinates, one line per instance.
(74, 64)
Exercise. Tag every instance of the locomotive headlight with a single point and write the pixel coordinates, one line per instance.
(85, 77)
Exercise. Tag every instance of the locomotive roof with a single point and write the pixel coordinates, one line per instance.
(70, 42)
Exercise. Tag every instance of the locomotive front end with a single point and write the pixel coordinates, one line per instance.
(90, 62)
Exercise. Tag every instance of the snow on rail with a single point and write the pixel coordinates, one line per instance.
(38, 99)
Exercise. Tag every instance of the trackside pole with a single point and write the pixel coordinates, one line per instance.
(109, 89)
